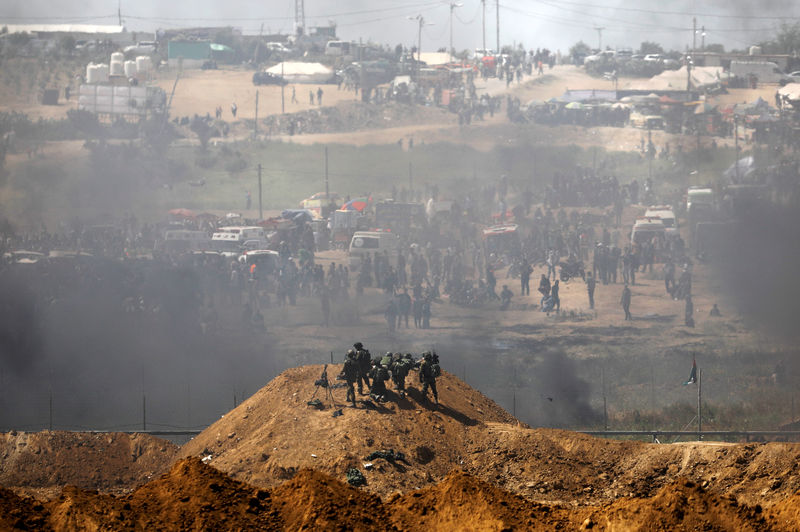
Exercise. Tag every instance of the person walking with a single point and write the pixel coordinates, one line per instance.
(590, 286)
(525, 277)
(625, 301)
(554, 294)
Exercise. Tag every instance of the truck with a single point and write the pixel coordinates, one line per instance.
(232, 240)
(366, 243)
(764, 71)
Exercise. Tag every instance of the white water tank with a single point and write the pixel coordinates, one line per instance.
(102, 73)
(91, 73)
(755, 50)
(117, 56)
(143, 64)
(117, 68)
(130, 68)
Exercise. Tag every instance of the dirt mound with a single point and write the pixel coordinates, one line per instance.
(315, 501)
(462, 502)
(273, 434)
(194, 496)
(110, 462)
(20, 513)
(785, 515)
(555, 465)
(681, 505)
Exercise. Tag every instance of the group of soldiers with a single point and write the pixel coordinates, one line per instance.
(361, 368)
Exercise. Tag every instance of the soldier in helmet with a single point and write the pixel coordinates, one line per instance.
(350, 372)
(379, 374)
(428, 371)
(401, 364)
(364, 360)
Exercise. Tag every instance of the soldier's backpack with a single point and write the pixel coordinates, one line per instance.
(386, 361)
(436, 371)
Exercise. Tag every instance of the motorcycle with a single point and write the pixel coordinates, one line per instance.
(571, 269)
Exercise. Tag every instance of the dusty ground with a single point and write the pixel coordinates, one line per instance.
(44, 462)
(275, 433)
(268, 439)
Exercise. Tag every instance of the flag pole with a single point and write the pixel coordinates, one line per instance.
(699, 404)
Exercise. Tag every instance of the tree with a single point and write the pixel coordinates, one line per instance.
(578, 51)
(788, 38)
(715, 48)
(648, 47)
(67, 44)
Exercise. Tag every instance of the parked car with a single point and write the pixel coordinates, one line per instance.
(268, 78)
(654, 58)
(141, 48)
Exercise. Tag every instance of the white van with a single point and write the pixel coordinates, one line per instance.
(765, 71)
(644, 229)
(370, 242)
(337, 48)
(664, 213)
(230, 241)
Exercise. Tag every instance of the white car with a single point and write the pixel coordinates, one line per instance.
(141, 48)
(794, 76)
(654, 58)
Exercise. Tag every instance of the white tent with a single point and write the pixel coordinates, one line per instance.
(790, 91)
(676, 79)
(298, 72)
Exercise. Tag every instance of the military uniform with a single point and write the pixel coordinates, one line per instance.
(379, 376)
(364, 364)
(400, 368)
(351, 374)
(427, 376)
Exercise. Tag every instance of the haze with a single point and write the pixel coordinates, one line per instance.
(541, 23)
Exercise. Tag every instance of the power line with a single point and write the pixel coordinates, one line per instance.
(678, 13)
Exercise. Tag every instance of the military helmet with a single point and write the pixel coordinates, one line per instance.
(426, 355)
(358, 345)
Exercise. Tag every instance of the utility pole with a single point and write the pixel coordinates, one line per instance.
(498, 26)
(453, 6)
(260, 205)
(419, 45)
(483, 4)
(694, 34)
(299, 17)
(599, 37)
(119, 12)
(410, 176)
(703, 39)
(327, 193)
(699, 404)
(255, 125)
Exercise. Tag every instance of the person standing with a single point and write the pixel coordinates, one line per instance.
(544, 288)
(311, 97)
(294, 94)
(689, 312)
(351, 372)
(505, 297)
(428, 371)
(625, 301)
(525, 277)
(590, 286)
(319, 96)
(364, 365)
(234, 108)
(554, 294)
